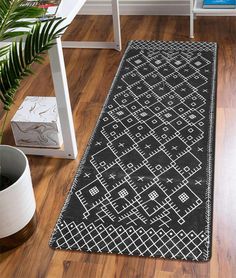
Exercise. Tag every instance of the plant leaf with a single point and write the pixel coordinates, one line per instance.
(21, 56)
(11, 14)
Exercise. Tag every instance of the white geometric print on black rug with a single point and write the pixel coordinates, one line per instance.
(145, 184)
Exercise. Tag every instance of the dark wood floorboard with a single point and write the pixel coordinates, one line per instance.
(90, 73)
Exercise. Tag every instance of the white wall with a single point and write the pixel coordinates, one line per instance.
(138, 7)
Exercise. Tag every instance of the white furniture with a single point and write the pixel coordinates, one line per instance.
(197, 9)
(17, 202)
(69, 9)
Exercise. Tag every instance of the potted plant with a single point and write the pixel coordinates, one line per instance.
(31, 39)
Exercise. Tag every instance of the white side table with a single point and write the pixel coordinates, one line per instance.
(69, 9)
(197, 9)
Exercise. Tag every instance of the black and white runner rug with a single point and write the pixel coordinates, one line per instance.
(145, 184)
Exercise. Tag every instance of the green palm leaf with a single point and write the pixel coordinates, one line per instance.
(3, 52)
(14, 15)
(17, 66)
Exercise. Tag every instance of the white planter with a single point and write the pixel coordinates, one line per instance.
(17, 202)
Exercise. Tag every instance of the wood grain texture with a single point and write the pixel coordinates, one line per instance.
(90, 73)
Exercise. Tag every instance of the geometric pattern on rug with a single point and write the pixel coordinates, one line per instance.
(145, 184)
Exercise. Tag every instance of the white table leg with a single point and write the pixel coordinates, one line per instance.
(191, 20)
(69, 149)
(116, 24)
(63, 100)
(102, 45)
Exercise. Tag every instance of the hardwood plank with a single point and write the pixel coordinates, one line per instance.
(90, 73)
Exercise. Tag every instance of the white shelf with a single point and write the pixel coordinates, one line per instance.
(198, 9)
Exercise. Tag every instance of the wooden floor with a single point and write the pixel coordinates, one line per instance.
(90, 73)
